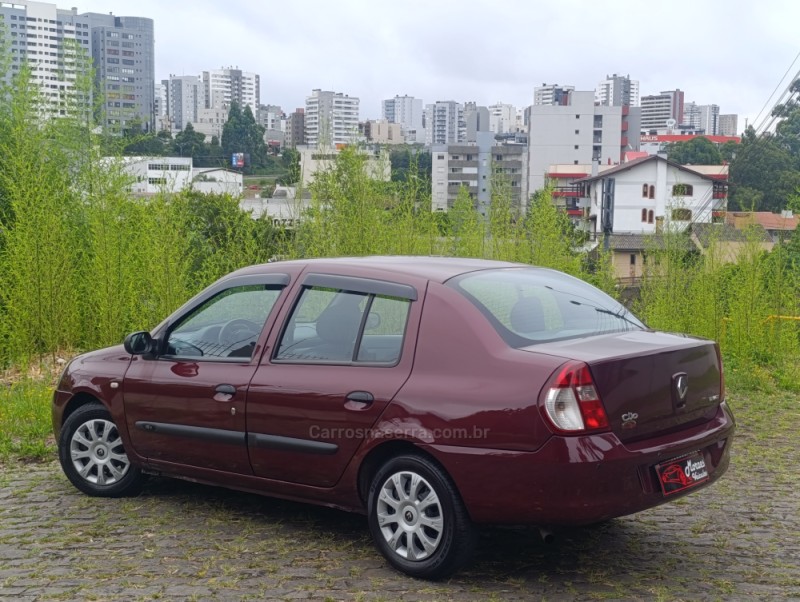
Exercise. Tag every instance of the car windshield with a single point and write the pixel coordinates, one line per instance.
(534, 305)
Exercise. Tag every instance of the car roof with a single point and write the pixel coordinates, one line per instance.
(437, 269)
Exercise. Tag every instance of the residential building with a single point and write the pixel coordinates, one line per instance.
(407, 111)
(160, 106)
(617, 90)
(61, 46)
(728, 125)
(477, 166)
(502, 118)
(381, 131)
(574, 130)
(779, 226)
(663, 110)
(551, 94)
(727, 241)
(124, 64)
(444, 123)
(647, 195)
(331, 118)
(271, 117)
(185, 98)
(702, 117)
(210, 122)
(296, 129)
(226, 85)
(313, 160)
(476, 120)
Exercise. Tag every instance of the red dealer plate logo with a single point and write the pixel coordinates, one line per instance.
(682, 473)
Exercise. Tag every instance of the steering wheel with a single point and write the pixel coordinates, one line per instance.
(238, 330)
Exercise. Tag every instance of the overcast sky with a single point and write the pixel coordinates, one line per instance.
(727, 52)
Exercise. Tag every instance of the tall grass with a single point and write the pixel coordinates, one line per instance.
(83, 262)
(748, 300)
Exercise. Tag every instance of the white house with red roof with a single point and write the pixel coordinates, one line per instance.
(648, 194)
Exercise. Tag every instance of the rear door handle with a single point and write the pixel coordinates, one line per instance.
(358, 400)
(225, 389)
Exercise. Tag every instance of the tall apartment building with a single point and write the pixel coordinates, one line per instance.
(222, 86)
(296, 129)
(617, 90)
(407, 111)
(271, 117)
(728, 125)
(577, 131)
(445, 123)
(701, 117)
(658, 109)
(62, 45)
(124, 63)
(502, 118)
(477, 166)
(184, 98)
(331, 118)
(551, 94)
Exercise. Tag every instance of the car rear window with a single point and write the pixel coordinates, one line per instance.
(537, 305)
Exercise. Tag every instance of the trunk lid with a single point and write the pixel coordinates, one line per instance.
(650, 383)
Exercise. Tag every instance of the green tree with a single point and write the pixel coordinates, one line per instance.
(697, 151)
(144, 144)
(241, 134)
(410, 160)
(188, 142)
(763, 171)
(290, 160)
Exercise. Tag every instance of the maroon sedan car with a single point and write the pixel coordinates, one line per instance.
(431, 394)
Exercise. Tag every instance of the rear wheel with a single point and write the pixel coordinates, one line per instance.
(92, 455)
(417, 518)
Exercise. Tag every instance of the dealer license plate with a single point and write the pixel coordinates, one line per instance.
(682, 473)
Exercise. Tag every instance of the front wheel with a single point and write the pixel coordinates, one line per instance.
(92, 455)
(417, 518)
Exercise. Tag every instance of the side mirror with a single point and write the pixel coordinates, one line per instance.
(138, 343)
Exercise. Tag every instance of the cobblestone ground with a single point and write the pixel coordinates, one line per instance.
(738, 540)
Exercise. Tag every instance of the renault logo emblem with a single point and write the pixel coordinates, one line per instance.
(681, 386)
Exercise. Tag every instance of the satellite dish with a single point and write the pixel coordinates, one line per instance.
(671, 123)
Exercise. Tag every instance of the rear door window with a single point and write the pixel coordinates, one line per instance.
(339, 326)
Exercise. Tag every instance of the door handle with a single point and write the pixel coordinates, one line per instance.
(358, 400)
(225, 389)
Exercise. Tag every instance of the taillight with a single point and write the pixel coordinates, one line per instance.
(571, 401)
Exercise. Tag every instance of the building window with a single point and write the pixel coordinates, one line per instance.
(633, 258)
(644, 191)
(682, 215)
(576, 147)
(577, 131)
(577, 116)
(682, 190)
(440, 157)
(652, 192)
(644, 215)
(650, 217)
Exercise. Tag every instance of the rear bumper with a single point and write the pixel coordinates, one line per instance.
(580, 480)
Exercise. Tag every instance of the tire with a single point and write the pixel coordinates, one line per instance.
(417, 519)
(92, 456)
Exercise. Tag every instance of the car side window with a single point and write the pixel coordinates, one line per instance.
(338, 326)
(225, 326)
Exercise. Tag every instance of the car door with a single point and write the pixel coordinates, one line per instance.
(185, 404)
(344, 351)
